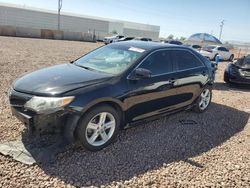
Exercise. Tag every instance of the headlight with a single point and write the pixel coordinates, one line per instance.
(44, 104)
(242, 72)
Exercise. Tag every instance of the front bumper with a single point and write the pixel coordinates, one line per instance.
(41, 123)
(24, 118)
(46, 122)
(239, 80)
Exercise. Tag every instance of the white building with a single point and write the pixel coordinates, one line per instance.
(32, 20)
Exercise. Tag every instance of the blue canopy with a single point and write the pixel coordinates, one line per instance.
(204, 37)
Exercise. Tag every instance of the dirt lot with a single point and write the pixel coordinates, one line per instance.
(213, 152)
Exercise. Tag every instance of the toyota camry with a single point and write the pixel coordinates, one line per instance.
(111, 88)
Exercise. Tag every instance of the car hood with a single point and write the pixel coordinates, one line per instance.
(58, 79)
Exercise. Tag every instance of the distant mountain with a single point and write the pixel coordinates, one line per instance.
(235, 42)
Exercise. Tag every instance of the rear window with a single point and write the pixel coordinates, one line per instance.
(186, 60)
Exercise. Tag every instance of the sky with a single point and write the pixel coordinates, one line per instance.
(177, 17)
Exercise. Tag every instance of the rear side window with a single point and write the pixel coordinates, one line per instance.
(186, 60)
(196, 46)
(223, 49)
(159, 62)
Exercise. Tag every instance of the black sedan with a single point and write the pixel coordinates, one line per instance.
(176, 42)
(110, 88)
(238, 72)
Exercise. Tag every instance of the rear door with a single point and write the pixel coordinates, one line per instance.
(226, 53)
(223, 53)
(191, 75)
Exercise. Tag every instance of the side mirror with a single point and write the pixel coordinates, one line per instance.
(142, 73)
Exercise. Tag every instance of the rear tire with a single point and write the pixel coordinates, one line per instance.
(214, 57)
(203, 100)
(226, 77)
(231, 58)
(98, 128)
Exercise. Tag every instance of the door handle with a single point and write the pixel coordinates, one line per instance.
(172, 81)
(204, 73)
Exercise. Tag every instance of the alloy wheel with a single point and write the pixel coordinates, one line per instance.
(204, 99)
(100, 129)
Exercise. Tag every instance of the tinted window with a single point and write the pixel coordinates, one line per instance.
(159, 63)
(186, 60)
(196, 46)
(247, 60)
(224, 49)
(243, 61)
(175, 42)
(129, 38)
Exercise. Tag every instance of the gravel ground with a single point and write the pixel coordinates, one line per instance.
(214, 151)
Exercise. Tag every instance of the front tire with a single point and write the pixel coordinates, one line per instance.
(213, 59)
(231, 58)
(203, 100)
(98, 128)
(226, 77)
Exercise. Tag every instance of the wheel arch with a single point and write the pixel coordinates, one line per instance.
(114, 103)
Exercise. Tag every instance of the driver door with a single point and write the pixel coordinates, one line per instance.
(156, 94)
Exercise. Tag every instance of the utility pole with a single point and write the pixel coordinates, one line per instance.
(59, 10)
(221, 28)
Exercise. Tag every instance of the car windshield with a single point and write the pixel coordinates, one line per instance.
(244, 61)
(110, 59)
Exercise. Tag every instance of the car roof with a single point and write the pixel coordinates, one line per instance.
(147, 45)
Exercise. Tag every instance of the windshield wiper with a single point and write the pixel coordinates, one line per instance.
(88, 68)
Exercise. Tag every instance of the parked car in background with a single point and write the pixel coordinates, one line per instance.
(194, 46)
(108, 40)
(176, 42)
(212, 51)
(95, 96)
(125, 39)
(143, 39)
(238, 71)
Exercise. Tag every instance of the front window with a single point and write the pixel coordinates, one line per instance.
(110, 59)
(159, 62)
(245, 61)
